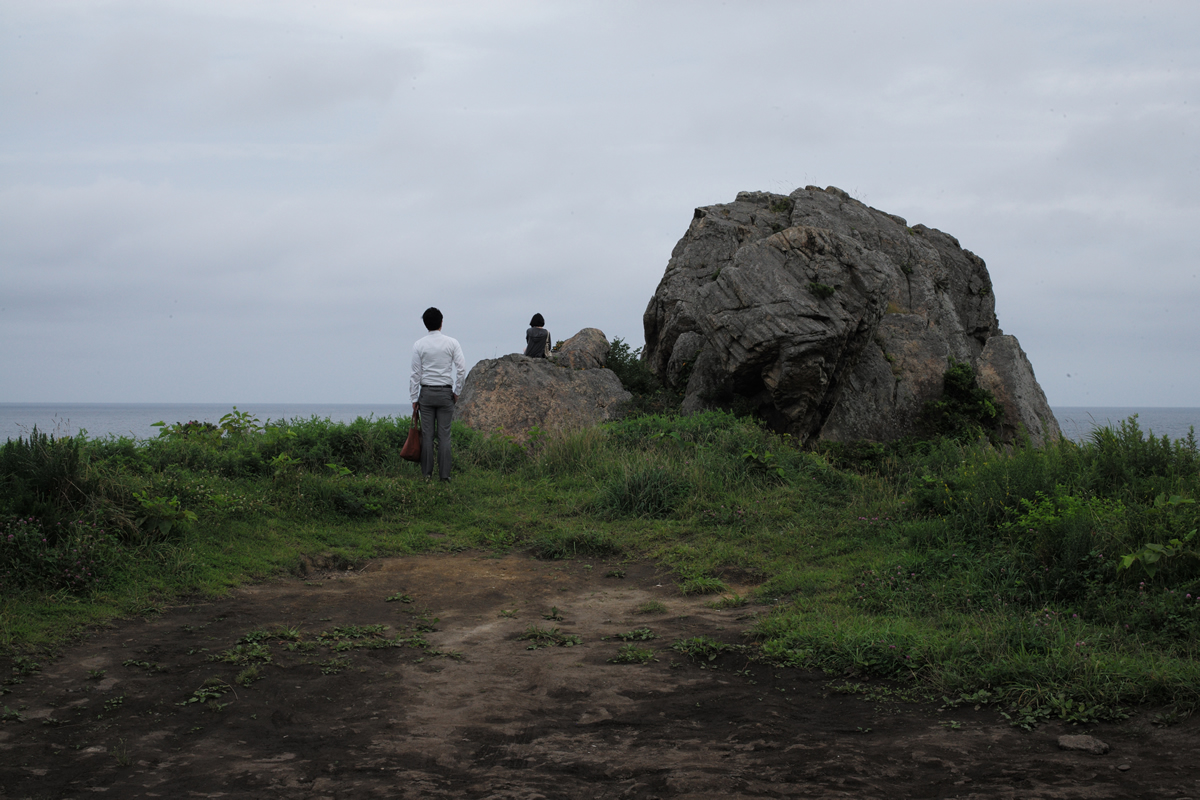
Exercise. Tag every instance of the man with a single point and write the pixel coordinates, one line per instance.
(438, 372)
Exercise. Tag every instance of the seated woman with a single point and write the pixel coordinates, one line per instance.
(537, 338)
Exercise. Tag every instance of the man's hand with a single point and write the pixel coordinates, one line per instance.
(416, 407)
(454, 398)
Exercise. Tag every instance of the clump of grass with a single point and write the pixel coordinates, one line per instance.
(650, 491)
(632, 654)
(249, 675)
(549, 637)
(553, 545)
(212, 689)
(702, 585)
(703, 649)
(651, 607)
(637, 635)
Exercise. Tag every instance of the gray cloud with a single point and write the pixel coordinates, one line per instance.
(235, 202)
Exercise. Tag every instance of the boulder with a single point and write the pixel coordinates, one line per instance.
(587, 349)
(514, 393)
(831, 319)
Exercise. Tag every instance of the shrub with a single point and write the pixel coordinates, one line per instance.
(76, 556)
(42, 475)
(965, 410)
(635, 375)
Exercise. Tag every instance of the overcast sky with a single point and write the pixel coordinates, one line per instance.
(234, 201)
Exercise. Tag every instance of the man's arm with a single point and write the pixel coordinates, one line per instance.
(414, 380)
(460, 372)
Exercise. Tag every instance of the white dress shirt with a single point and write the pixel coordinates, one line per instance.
(437, 360)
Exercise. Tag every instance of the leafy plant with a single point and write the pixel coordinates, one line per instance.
(965, 409)
(703, 649)
(1151, 553)
(634, 374)
(240, 423)
(211, 689)
(632, 654)
(160, 515)
(548, 637)
(763, 463)
(244, 654)
(637, 635)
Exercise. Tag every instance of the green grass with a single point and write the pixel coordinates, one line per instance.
(1060, 581)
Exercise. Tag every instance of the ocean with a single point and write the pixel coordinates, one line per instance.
(1078, 422)
(135, 420)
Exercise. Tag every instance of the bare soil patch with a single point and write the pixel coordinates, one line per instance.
(490, 718)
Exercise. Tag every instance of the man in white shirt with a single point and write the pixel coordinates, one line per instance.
(438, 372)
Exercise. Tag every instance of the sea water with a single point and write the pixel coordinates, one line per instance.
(136, 420)
(1078, 422)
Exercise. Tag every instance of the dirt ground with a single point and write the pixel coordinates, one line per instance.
(475, 713)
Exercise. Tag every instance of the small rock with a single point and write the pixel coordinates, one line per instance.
(1124, 767)
(1088, 744)
(587, 349)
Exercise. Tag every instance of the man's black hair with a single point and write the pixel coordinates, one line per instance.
(537, 321)
(432, 319)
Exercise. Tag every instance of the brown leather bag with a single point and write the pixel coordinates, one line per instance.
(412, 445)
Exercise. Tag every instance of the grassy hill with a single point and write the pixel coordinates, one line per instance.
(1062, 581)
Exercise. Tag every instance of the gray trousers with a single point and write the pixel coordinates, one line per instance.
(437, 409)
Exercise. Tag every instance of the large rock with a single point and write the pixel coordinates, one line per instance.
(515, 393)
(831, 319)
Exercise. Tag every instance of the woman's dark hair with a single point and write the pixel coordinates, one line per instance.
(432, 319)
(537, 321)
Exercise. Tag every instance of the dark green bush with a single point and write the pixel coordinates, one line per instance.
(965, 409)
(76, 557)
(42, 476)
(635, 375)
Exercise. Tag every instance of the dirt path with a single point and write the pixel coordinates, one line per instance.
(476, 714)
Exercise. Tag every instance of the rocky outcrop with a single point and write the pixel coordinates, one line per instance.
(587, 349)
(515, 393)
(831, 319)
